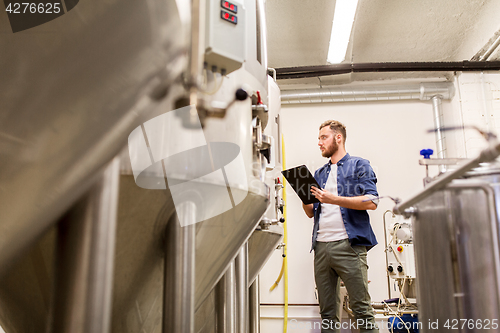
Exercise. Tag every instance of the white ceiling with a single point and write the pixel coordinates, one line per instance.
(384, 31)
(298, 31)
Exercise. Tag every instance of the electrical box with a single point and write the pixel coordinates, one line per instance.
(405, 266)
(225, 35)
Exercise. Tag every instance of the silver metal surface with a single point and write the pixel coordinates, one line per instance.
(254, 307)
(437, 110)
(197, 46)
(241, 277)
(196, 52)
(25, 291)
(66, 142)
(225, 301)
(261, 246)
(84, 264)
(179, 275)
(457, 253)
(143, 216)
(422, 91)
(219, 239)
(139, 264)
(72, 90)
(447, 161)
(206, 316)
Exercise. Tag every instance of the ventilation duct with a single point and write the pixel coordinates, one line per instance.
(419, 91)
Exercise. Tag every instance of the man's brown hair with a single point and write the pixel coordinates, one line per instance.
(335, 126)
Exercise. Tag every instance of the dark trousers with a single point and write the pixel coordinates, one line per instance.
(339, 259)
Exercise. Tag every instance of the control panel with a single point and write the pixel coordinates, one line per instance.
(225, 36)
(401, 261)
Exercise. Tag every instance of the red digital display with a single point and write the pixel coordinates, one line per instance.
(229, 6)
(229, 17)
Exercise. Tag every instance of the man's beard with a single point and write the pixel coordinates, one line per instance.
(328, 152)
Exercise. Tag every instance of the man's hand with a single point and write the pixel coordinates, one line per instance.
(322, 195)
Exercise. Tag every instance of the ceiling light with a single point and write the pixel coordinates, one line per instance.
(343, 20)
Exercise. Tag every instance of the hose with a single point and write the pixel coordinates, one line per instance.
(279, 277)
(285, 240)
(284, 266)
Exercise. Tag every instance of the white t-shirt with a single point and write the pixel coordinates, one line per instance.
(331, 225)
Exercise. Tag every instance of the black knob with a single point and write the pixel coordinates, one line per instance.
(400, 269)
(282, 220)
(241, 94)
(390, 269)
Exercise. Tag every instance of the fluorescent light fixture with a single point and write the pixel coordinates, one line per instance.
(343, 20)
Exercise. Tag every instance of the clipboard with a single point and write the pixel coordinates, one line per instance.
(301, 180)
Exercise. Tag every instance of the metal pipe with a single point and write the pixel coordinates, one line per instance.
(197, 46)
(420, 91)
(85, 259)
(221, 305)
(178, 301)
(400, 312)
(438, 125)
(326, 70)
(381, 308)
(197, 50)
(490, 50)
(487, 155)
(385, 252)
(273, 71)
(241, 268)
(225, 301)
(254, 306)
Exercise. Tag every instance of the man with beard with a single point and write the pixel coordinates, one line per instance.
(342, 233)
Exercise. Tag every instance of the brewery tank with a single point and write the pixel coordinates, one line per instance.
(457, 253)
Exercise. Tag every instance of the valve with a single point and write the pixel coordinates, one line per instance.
(203, 111)
(265, 223)
(426, 153)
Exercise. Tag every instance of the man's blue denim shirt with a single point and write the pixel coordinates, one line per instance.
(355, 177)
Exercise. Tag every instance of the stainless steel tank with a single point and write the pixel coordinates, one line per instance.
(138, 286)
(133, 63)
(72, 89)
(456, 237)
(261, 246)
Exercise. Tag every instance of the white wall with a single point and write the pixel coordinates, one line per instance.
(390, 135)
